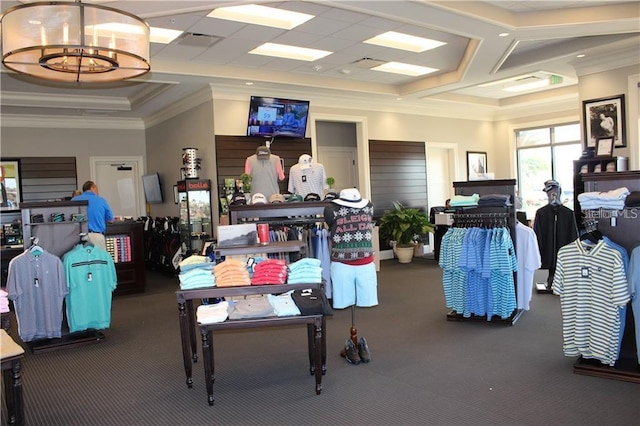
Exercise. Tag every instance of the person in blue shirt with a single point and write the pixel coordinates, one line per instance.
(98, 213)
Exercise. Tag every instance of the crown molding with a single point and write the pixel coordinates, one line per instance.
(179, 107)
(57, 122)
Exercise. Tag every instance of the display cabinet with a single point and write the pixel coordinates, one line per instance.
(584, 166)
(125, 244)
(194, 200)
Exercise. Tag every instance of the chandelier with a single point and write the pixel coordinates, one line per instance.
(74, 42)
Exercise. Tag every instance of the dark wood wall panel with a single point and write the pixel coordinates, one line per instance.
(232, 151)
(47, 178)
(398, 173)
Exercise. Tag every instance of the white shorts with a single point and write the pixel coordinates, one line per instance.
(354, 285)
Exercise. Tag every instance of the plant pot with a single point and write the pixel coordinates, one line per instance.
(404, 253)
(418, 250)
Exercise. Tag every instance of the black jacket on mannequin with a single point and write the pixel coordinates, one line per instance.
(555, 226)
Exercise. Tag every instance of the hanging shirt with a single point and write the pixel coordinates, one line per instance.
(634, 291)
(592, 286)
(37, 286)
(528, 256)
(92, 278)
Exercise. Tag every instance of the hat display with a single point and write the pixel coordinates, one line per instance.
(551, 185)
(276, 198)
(305, 161)
(312, 196)
(238, 199)
(331, 195)
(294, 198)
(350, 197)
(258, 198)
(263, 153)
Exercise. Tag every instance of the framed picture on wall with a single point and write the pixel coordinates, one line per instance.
(604, 118)
(476, 165)
(604, 147)
(10, 196)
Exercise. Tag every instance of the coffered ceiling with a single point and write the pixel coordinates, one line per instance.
(543, 39)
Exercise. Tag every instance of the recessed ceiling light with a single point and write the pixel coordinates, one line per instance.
(249, 83)
(163, 35)
(503, 34)
(289, 52)
(404, 69)
(261, 15)
(582, 55)
(404, 42)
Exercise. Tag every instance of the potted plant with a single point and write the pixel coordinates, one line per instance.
(246, 183)
(401, 226)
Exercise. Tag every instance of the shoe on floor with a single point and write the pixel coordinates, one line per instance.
(351, 353)
(363, 350)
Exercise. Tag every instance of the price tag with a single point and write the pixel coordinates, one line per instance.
(89, 277)
(584, 272)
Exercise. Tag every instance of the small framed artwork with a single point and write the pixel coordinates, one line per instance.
(604, 147)
(476, 165)
(603, 118)
(10, 184)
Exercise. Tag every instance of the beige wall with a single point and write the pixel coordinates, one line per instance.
(70, 142)
(165, 141)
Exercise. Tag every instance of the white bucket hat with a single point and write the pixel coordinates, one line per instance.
(351, 197)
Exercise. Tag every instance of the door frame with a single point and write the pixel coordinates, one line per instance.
(362, 145)
(139, 160)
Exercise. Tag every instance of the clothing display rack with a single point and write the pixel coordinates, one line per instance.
(622, 227)
(58, 238)
(487, 217)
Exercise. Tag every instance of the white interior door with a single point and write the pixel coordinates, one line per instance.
(119, 181)
(340, 163)
(439, 180)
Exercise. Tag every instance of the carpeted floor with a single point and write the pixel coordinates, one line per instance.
(425, 370)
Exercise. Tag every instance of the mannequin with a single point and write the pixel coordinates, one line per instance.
(353, 272)
(555, 226)
(307, 177)
(265, 170)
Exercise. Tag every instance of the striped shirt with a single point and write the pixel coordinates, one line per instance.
(592, 286)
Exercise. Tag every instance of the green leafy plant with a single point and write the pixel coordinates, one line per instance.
(330, 181)
(246, 183)
(404, 225)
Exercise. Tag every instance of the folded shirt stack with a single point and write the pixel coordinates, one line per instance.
(464, 200)
(283, 304)
(252, 306)
(231, 273)
(4, 302)
(494, 200)
(612, 200)
(270, 271)
(211, 314)
(196, 272)
(307, 270)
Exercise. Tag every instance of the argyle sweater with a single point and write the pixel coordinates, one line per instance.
(351, 231)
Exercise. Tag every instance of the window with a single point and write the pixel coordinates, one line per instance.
(546, 153)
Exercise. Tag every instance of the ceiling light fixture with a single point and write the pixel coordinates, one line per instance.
(74, 42)
(535, 84)
(404, 69)
(261, 15)
(404, 42)
(289, 52)
(164, 35)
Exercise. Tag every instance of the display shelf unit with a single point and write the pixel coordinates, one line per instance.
(508, 213)
(125, 243)
(622, 227)
(194, 200)
(582, 167)
(57, 238)
(279, 213)
(316, 324)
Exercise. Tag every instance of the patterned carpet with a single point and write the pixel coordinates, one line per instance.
(424, 370)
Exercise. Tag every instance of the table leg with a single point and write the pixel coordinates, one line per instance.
(191, 318)
(319, 331)
(324, 345)
(17, 393)
(184, 339)
(207, 355)
(311, 347)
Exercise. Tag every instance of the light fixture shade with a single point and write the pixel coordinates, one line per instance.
(74, 42)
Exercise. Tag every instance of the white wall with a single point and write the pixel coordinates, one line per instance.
(81, 143)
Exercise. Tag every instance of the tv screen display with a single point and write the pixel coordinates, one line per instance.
(269, 117)
(152, 188)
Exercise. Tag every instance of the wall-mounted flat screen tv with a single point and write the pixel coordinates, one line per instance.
(152, 188)
(270, 117)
